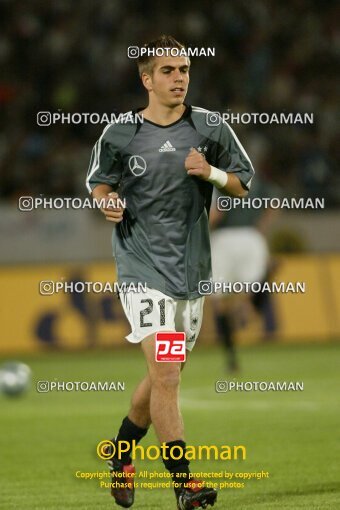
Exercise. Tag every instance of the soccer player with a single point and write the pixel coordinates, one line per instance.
(240, 253)
(165, 168)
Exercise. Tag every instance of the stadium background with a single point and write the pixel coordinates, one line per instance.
(72, 56)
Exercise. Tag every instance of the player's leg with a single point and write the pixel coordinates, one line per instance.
(164, 407)
(165, 377)
(139, 412)
(225, 328)
(225, 257)
(135, 425)
(135, 309)
(165, 412)
(146, 318)
(192, 493)
(121, 467)
(133, 428)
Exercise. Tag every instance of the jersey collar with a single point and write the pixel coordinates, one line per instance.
(186, 113)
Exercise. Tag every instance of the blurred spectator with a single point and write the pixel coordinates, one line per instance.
(270, 57)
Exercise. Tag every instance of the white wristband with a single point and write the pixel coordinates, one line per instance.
(217, 177)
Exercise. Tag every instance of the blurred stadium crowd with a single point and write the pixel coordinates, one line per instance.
(72, 56)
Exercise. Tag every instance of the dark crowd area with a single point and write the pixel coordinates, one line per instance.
(71, 56)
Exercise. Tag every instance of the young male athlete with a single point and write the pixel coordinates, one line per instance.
(165, 168)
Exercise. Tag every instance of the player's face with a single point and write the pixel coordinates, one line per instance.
(170, 79)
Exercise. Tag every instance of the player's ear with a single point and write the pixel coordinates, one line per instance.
(147, 81)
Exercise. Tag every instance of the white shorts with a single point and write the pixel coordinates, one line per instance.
(239, 254)
(152, 311)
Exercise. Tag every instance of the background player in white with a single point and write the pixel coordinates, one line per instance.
(240, 253)
(168, 198)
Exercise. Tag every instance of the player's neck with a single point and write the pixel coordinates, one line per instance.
(163, 115)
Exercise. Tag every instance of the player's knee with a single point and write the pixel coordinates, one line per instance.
(167, 379)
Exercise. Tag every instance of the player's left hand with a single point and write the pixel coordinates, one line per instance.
(196, 164)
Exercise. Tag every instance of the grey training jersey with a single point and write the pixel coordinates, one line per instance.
(163, 239)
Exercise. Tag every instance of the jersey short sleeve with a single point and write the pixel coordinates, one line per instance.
(232, 157)
(226, 151)
(105, 164)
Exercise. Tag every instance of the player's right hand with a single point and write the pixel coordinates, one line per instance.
(114, 214)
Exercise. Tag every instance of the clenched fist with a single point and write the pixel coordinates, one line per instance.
(114, 214)
(196, 164)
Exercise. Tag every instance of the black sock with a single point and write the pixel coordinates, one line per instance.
(179, 466)
(128, 432)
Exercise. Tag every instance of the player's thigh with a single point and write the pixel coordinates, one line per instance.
(167, 372)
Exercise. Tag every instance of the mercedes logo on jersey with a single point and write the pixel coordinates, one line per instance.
(137, 165)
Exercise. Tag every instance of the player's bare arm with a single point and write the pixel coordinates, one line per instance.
(111, 213)
(197, 165)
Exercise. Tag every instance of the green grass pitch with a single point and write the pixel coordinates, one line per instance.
(295, 436)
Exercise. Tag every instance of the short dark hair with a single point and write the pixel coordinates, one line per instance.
(146, 62)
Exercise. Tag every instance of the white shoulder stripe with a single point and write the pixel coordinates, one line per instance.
(96, 159)
(97, 148)
(203, 110)
(239, 145)
(199, 109)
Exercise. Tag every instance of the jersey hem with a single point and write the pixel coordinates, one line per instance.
(180, 296)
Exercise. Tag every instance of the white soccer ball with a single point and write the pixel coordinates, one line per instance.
(15, 378)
